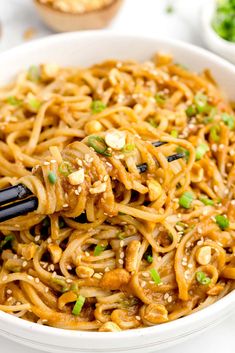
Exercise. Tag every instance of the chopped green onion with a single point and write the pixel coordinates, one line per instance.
(8, 239)
(78, 305)
(155, 276)
(201, 150)
(191, 111)
(201, 103)
(186, 199)
(202, 278)
(74, 287)
(99, 249)
(34, 74)
(97, 107)
(169, 9)
(228, 120)
(160, 98)
(121, 235)
(128, 148)
(65, 168)
(61, 283)
(222, 221)
(215, 133)
(14, 101)
(174, 133)
(206, 201)
(183, 150)
(149, 258)
(152, 122)
(34, 103)
(52, 177)
(99, 145)
(223, 19)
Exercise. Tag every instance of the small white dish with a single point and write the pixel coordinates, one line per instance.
(84, 49)
(211, 39)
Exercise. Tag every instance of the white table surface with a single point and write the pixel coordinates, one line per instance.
(136, 16)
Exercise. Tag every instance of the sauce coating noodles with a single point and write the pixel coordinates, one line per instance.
(110, 248)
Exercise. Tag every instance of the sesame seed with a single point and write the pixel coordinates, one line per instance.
(30, 277)
(68, 280)
(169, 299)
(65, 205)
(49, 240)
(97, 275)
(9, 291)
(87, 253)
(107, 269)
(122, 255)
(166, 296)
(69, 267)
(9, 299)
(15, 257)
(37, 238)
(145, 274)
(18, 303)
(216, 188)
(121, 243)
(4, 278)
(143, 284)
(53, 161)
(24, 264)
(120, 261)
(46, 163)
(199, 229)
(53, 274)
(46, 289)
(138, 318)
(190, 265)
(37, 280)
(105, 177)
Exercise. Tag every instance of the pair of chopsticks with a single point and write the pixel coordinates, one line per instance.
(18, 200)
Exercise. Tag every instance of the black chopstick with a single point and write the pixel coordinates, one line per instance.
(143, 167)
(13, 193)
(20, 208)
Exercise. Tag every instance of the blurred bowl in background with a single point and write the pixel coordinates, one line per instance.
(211, 39)
(60, 21)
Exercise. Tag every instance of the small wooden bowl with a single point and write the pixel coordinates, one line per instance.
(67, 22)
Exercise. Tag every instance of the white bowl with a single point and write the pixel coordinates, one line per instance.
(212, 40)
(85, 49)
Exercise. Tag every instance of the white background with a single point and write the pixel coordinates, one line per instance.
(136, 16)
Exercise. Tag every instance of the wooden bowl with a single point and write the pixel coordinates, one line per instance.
(67, 22)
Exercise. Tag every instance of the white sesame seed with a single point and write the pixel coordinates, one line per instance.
(46, 163)
(190, 265)
(9, 299)
(49, 240)
(105, 177)
(120, 261)
(121, 243)
(68, 280)
(53, 161)
(24, 264)
(69, 267)
(97, 275)
(30, 277)
(145, 274)
(37, 238)
(216, 188)
(9, 291)
(87, 253)
(169, 299)
(46, 289)
(65, 205)
(107, 269)
(53, 274)
(138, 317)
(122, 255)
(166, 296)
(37, 280)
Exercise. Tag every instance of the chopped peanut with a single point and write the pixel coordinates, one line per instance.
(84, 271)
(49, 71)
(77, 177)
(155, 189)
(109, 327)
(132, 251)
(115, 139)
(115, 279)
(203, 255)
(216, 290)
(154, 313)
(55, 252)
(98, 188)
(92, 127)
(27, 250)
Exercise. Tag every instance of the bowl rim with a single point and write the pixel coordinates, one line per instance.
(98, 11)
(224, 303)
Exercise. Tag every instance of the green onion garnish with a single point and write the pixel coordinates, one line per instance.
(99, 145)
(202, 278)
(160, 98)
(174, 133)
(149, 258)
(228, 120)
(191, 111)
(34, 74)
(128, 148)
(201, 150)
(201, 103)
(206, 201)
(14, 101)
(78, 305)
(222, 221)
(8, 239)
(52, 177)
(215, 133)
(186, 199)
(63, 286)
(34, 103)
(97, 107)
(223, 19)
(152, 122)
(183, 150)
(65, 168)
(99, 249)
(169, 9)
(155, 276)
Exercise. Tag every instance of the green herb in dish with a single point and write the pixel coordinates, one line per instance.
(34, 74)
(202, 278)
(99, 249)
(149, 258)
(215, 133)
(97, 107)
(201, 103)
(65, 168)
(155, 276)
(78, 305)
(206, 201)
(222, 221)
(5, 242)
(34, 104)
(99, 145)
(174, 133)
(201, 149)
(223, 21)
(228, 120)
(12, 100)
(191, 111)
(186, 199)
(183, 150)
(128, 148)
(52, 178)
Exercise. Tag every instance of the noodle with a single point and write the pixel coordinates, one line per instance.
(110, 248)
